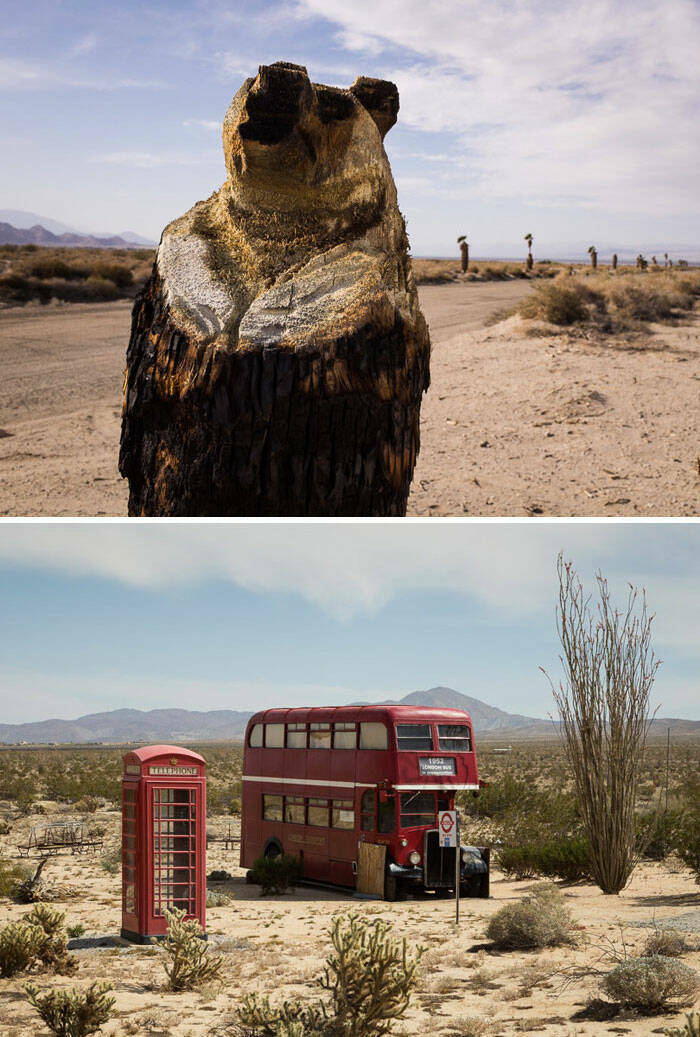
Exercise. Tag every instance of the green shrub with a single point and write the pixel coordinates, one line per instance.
(566, 859)
(75, 931)
(111, 861)
(275, 874)
(370, 977)
(73, 1013)
(48, 267)
(690, 1028)
(11, 876)
(555, 303)
(687, 839)
(657, 833)
(652, 983)
(19, 947)
(191, 965)
(120, 275)
(540, 920)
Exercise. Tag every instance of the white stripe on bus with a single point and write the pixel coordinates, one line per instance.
(356, 784)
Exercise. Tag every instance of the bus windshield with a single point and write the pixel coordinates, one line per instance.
(419, 810)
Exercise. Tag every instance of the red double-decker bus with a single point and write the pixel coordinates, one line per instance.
(318, 782)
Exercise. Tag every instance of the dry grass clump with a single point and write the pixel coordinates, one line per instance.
(540, 920)
(651, 984)
(448, 271)
(71, 275)
(666, 942)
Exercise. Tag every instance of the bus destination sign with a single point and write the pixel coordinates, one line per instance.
(436, 765)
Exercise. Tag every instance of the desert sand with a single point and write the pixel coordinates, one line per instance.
(277, 946)
(519, 419)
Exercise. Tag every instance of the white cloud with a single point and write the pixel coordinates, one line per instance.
(594, 103)
(19, 75)
(85, 45)
(152, 160)
(205, 124)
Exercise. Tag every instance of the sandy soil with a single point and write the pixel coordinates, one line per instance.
(277, 946)
(516, 422)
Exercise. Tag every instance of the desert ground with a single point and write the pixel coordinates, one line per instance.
(277, 946)
(520, 419)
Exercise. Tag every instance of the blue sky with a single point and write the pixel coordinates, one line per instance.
(208, 615)
(573, 120)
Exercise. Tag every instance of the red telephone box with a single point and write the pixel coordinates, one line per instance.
(163, 838)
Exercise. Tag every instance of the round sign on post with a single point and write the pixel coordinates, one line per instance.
(447, 823)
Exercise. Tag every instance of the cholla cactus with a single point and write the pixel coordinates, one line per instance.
(53, 944)
(369, 976)
(191, 965)
(19, 947)
(73, 1013)
(690, 1028)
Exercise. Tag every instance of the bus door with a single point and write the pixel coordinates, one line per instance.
(342, 841)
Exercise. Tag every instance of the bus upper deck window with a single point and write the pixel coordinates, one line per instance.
(367, 810)
(296, 736)
(274, 736)
(319, 736)
(455, 737)
(256, 736)
(412, 737)
(386, 814)
(344, 736)
(373, 736)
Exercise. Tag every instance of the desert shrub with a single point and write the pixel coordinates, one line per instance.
(73, 1013)
(48, 267)
(651, 300)
(11, 875)
(665, 942)
(275, 874)
(87, 804)
(24, 800)
(562, 858)
(111, 861)
(687, 838)
(94, 289)
(370, 976)
(217, 899)
(191, 964)
(540, 920)
(75, 931)
(556, 303)
(657, 833)
(52, 949)
(690, 1028)
(19, 947)
(117, 273)
(651, 983)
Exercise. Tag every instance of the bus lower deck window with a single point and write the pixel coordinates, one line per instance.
(455, 738)
(318, 813)
(373, 736)
(343, 815)
(294, 810)
(417, 809)
(272, 808)
(412, 737)
(386, 815)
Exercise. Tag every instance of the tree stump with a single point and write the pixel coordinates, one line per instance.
(278, 354)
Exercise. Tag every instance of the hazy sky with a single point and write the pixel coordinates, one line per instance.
(101, 616)
(575, 120)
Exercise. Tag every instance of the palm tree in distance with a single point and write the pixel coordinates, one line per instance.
(614, 261)
(529, 262)
(594, 256)
(464, 249)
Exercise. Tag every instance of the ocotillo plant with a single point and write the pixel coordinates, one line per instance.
(464, 249)
(529, 261)
(594, 256)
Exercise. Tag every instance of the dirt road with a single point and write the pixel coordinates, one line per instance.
(515, 422)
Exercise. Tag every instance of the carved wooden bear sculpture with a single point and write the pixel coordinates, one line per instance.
(278, 353)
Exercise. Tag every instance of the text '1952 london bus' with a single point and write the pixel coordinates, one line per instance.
(325, 784)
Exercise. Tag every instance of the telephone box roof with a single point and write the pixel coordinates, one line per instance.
(150, 752)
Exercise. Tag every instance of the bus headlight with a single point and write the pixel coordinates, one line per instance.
(414, 857)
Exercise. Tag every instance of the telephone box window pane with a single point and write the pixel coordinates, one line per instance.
(318, 813)
(296, 736)
(272, 808)
(256, 736)
(319, 736)
(274, 736)
(417, 809)
(343, 815)
(367, 815)
(373, 736)
(294, 810)
(455, 737)
(414, 737)
(344, 736)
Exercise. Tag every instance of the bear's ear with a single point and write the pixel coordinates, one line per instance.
(380, 98)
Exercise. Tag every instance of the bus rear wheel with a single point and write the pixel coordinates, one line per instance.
(272, 850)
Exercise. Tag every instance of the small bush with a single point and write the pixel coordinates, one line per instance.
(111, 861)
(690, 1028)
(652, 983)
(566, 859)
(73, 1013)
(75, 931)
(657, 833)
(119, 275)
(19, 947)
(275, 874)
(687, 840)
(217, 899)
(52, 949)
(191, 965)
(665, 942)
(541, 920)
(48, 267)
(370, 978)
(11, 877)
(555, 303)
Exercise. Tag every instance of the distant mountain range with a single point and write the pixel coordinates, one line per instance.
(28, 228)
(173, 725)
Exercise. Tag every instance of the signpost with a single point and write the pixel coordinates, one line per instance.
(448, 830)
